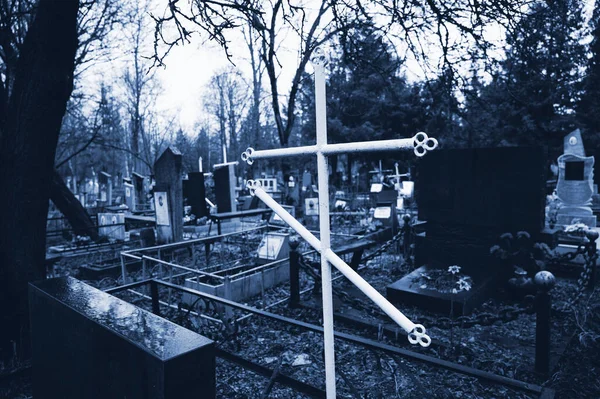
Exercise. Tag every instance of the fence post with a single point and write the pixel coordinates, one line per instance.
(544, 281)
(154, 295)
(206, 253)
(406, 237)
(144, 268)
(592, 256)
(123, 270)
(294, 272)
(228, 295)
(144, 273)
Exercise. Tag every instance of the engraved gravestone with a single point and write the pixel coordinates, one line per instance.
(575, 184)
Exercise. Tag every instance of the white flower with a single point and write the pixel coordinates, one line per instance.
(523, 234)
(463, 285)
(575, 228)
(454, 291)
(454, 269)
(494, 249)
(425, 275)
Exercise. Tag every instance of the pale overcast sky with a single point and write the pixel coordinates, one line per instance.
(190, 67)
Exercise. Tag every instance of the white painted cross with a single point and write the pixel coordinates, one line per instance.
(398, 175)
(420, 143)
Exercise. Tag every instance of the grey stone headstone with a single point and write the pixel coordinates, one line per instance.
(575, 179)
(575, 185)
(168, 170)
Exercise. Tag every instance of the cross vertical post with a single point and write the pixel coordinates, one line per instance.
(420, 144)
(324, 228)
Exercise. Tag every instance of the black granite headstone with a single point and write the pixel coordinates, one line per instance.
(469, 197)
(223, 189)
(89, 344)
(492, 187)
(147, 237)
(194, 192)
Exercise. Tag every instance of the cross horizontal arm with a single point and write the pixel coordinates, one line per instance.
(416, 331)
(364, 146)
(250, 154)
(420, 144)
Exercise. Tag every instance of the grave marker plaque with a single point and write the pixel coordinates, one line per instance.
(274, 246)
(129, 196)
(574, 170)
(311, 207)
(161, 205)
(112, 225)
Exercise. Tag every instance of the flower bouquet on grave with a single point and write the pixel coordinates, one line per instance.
(450, 281)
(553, 205)
(577, 229)
(520, 252)
(80, 240)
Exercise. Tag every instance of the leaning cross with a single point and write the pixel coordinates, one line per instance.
(420, 143)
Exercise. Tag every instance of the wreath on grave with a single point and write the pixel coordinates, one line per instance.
(450, 281)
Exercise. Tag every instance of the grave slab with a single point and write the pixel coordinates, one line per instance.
(408, 291)
(89, 344)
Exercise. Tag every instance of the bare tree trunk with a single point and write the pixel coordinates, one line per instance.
(71, 208)
(28, 139)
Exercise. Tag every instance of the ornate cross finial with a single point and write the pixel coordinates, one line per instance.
(424, 143)
(253, 185)
(247, 156)
(318, 57)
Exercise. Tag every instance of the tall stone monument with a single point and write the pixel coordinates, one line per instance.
(168, 196)
(575, 183)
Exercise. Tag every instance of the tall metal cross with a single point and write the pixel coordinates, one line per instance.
(420, 143)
